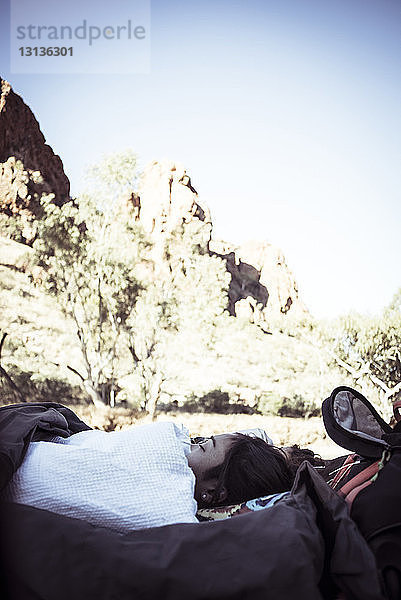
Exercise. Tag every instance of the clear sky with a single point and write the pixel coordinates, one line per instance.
(286, 114)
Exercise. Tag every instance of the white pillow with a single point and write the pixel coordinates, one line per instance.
(124, 480)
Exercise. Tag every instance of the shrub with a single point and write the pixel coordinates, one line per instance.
(295, 406)
(39, 389)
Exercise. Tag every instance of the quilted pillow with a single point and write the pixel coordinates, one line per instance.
(124, 480)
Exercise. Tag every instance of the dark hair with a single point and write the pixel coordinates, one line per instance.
(253, 468)
(296, 456)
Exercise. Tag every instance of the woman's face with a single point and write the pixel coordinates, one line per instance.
(206, 455)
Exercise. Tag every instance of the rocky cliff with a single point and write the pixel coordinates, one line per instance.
(261, 283)
(167, 199)
(28, 166)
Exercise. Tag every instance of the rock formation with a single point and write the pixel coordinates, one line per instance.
(28, 166)
(261, 283)
(166, 200)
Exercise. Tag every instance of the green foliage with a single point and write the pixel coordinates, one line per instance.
(11, 226)
(256, 370)
(89, 259)
(37, 387)
(395, 304)
(294, 406)
(92, 257)
(150, 327)
(198, 283)
(369, 349)
(180, 306)
(268, 403)
(297, 406)
(114, 175)
(214, 401)
(20, 208)
(372, 344)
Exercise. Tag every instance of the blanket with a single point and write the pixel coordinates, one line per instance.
(305, 546)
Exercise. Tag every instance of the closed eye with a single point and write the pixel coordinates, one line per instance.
(202, 443)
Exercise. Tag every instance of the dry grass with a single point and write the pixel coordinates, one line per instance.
(308, 433)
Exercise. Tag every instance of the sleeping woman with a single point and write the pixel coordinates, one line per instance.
(149, 475)
(232, 468)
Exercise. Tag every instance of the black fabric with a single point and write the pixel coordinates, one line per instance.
(278, 553)
(347, 439)
(387, 551)
(347, 559)
(22, 423)
(332, 466)
(376, 511)
(376, 508)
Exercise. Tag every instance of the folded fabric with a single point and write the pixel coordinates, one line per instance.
(218, 513)
(131, 479)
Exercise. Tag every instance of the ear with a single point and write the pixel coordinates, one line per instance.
(207, 495)
(205, 498)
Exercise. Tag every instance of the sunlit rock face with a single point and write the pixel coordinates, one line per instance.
(167, 200)
(28, 166)
(261, 283)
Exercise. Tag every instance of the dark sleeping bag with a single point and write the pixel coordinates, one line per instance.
(373, 488)
(21, 424)
(305, 546)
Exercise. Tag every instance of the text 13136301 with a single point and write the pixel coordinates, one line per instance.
(46, 51)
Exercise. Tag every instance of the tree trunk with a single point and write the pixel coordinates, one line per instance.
(94, 394)
(154, 394)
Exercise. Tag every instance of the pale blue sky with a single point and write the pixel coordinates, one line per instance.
(286, 114)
